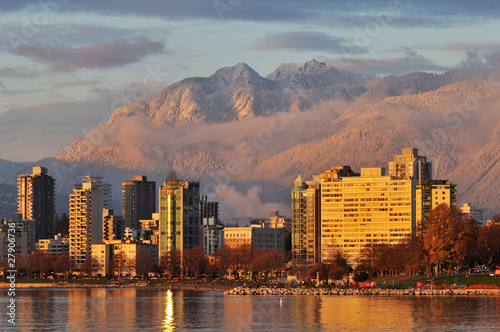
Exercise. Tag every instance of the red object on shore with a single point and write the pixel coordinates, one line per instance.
(366, 284)
(482, 286)
(362, 284)
(420, 284)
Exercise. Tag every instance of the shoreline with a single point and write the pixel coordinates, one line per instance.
(239, 290)
(266, 291)
(172, 286)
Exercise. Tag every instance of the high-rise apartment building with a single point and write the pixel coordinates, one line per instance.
(139, 200)
(411, 165)
(86, 205)
(430, 194)
(36, 200)
(358, 210)
(211, 227)
(112, 226)
(179, 224)
(305, 221)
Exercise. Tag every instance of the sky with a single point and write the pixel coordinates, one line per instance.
(66, 65)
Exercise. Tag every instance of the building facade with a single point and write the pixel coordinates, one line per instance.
(237, 236)
(470, 211)
(430, 194)
(24, 235)
(56, 246)
(275, 220)
(359, 210)
(36, 200)
(411, 165)
(305, 224)
(86, 205)
(123, 258)
(268, 237)
(112, 226)
(211, 227)
(139, 200)
(179, 223)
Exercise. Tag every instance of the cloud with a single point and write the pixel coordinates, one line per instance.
(385, 66)
(19, 71)
(306, 41)
(65, 58)
(464, 46)
(243, 205)
(421, 13)
(245, 141)
(77, 82)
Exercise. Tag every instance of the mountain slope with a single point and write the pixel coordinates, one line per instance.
(226, 131)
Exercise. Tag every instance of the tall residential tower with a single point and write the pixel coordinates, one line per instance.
(86, 205)
(35, 200)
(139, 201)
(411, 165)
(179, 225)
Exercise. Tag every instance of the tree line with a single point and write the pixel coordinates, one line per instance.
(447, 241)
(242, 260)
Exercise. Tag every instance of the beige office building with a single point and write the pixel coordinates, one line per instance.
(358, 210)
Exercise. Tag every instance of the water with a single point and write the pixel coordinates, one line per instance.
(164, 310)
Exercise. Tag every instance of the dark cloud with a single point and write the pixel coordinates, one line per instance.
(65, 58)
(431, 12)
(300, 41)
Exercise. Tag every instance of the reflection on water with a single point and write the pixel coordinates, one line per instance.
(132, 309)
(168, 323)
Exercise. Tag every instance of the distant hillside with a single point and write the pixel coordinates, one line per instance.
(8, 200)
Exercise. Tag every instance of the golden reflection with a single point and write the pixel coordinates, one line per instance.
(168, 322)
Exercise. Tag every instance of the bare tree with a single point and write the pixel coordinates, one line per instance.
(172, 175)
(90, 266)
(449, 239)
(144, 263)
(197, 261)
(62, 264)
(171, 262)
(118, 264)
(130, 265)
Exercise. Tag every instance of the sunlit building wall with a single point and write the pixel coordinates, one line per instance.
(86, 205)
(179, 224)
(411, 165)
(237, 236)
(358, 210)
(305, 221)
(470, 211)
(430, 194)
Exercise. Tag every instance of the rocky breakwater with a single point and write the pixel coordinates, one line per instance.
(287, 291)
